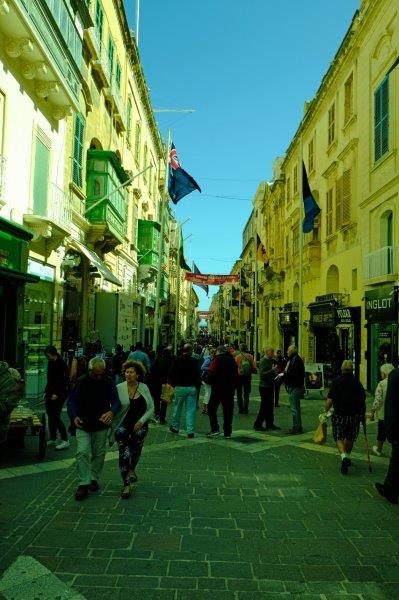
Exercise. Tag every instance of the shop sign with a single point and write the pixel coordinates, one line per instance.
(381, 304)
(10, 251)
(344, 315)
(288, 319)
(45, 272)
(322, 316)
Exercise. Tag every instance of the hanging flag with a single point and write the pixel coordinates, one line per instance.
(395, 64)
(203, 286)
(182, 260)
(180, 182)
(243, 281)
(309, 204)
(261, 252)
(212, 279)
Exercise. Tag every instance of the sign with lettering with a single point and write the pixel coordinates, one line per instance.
(212, 279)
(322, 315)
(381, 304)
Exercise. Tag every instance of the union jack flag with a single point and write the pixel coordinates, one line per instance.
(180, 182)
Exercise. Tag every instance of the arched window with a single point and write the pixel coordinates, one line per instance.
(332, 280)
(95, 144)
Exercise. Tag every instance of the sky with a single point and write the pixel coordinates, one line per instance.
(246, 68)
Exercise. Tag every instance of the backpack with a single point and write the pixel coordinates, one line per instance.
(245, 368)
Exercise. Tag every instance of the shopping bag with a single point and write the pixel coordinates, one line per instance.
(320, 435)
(167, 393)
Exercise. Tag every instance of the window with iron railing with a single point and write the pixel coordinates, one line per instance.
(381, 120)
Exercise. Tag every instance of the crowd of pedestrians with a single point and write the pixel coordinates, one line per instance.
(115, 401)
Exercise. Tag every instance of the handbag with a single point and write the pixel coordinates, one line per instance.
(320, 435)
(167, 393)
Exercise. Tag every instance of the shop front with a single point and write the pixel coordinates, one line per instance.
(37, 333)
(14, 249)
(336, 330)
(288, 323)
(381, 312)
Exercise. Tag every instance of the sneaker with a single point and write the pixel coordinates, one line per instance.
(94, 487)
(126, 492)
(82, 492)
(173, 430)
(390, 496)
(345, 463)
(64, 444)
(52, 443)
(190, 436)
(274, 428)
(227, 436)
(213, 434)
(376, 451)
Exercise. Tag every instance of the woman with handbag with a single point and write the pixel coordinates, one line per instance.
(204, 376)
(131, 423)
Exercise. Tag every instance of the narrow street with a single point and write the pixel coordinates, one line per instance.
(263, 515)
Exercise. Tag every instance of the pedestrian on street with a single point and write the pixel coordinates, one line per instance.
(137, 353)
(294, 377)
(379, 405)
(8, 398)
(390, 488)
(267, 370)
(56, 392)
(207, 386)
(348, 398)
(185, 377)
(158, 376)
(131, 423)
(92, 406)
(246, 366)
(281, 364)
(224, 373)
(117, 361)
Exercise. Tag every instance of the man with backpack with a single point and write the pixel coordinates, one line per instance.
(246, 366)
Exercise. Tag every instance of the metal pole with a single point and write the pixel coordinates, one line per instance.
(177, 307)
(301, 240)
(254, 233)
(137, 21)
(163, 204)
(239, 310)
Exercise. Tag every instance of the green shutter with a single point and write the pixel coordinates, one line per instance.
(99, 19)
(111, 55)
(77, 165)
(118, 75)
(40, 181)
(381, 119)
(129, 120)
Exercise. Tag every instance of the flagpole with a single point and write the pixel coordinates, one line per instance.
(177, 307)
(164, 201)
(254, 234)
(301, 241)
(239, 308)
(137, 21)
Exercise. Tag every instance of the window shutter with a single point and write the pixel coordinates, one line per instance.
(77, 164)
(329, 212)
(41, 176)
(338, 203)
(129, 120)
(346, 197)
(381, 119)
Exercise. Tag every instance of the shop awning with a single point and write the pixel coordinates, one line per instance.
(96, 261)
(18, 275)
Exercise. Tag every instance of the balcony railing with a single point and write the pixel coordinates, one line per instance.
(383, 261)
(59, 207)
(2, 177)
(101, 65)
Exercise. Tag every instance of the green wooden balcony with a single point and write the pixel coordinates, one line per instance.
(106, 205)
(147, 242)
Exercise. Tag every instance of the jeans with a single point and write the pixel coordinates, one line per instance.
(226, 399)
(243, 389)
(294, 397)
(53, 410)
(266, 412)
(185, 396)
(90, 454)
(391, 482)
(130, 444)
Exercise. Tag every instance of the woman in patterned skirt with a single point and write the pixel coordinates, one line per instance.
(348, 398)
(131, 423)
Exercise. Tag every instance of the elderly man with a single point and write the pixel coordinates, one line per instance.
(185, 376)
(294, 376)
(267, 370)
(92, 407)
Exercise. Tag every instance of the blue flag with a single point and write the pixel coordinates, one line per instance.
(309, 204)
(203, 286)
(180, 182)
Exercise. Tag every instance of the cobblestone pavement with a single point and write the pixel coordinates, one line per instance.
(263, 515)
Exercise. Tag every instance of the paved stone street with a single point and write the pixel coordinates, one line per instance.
(259, 516)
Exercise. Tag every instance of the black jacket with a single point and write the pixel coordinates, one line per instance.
(185, 372)
(224, 372)
(295, 374)
(91, 398)
(57, 378)
(348, 395)
(266, 374)
(391, 417)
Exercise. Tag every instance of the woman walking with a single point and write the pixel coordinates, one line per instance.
(207, 386)
(131, 423)
(56, 392)
(379, 405)
(348, 398)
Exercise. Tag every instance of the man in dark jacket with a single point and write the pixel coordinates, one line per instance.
(185, 377)
(92, 406)
(56, 392)
(294, 376)
(224, 374)
(390, 488)
(281, 364)
(267, 370)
